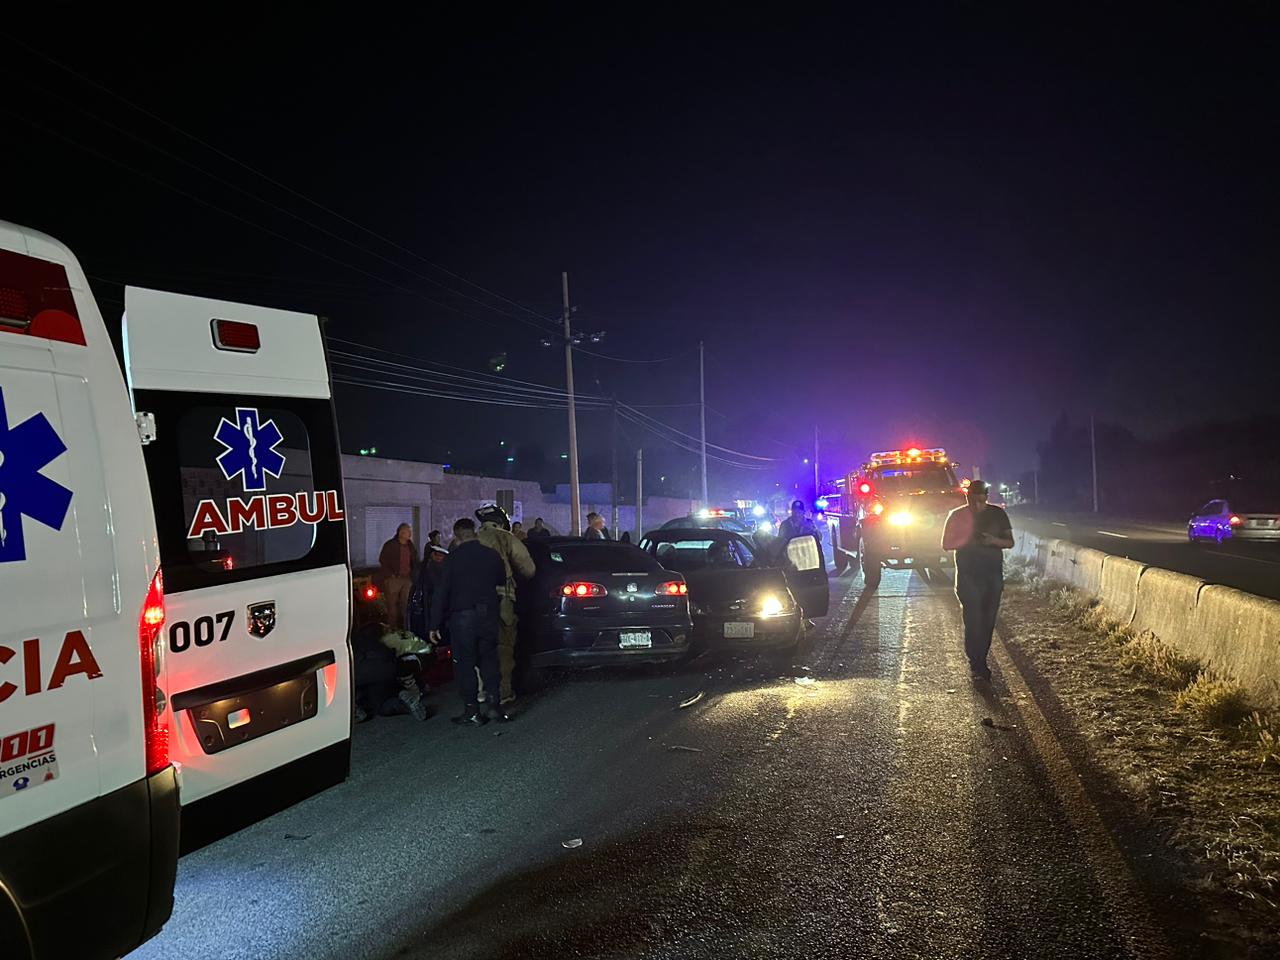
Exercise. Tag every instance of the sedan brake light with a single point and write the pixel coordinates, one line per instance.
(1235, 521)
(580, 589)
(672, 588)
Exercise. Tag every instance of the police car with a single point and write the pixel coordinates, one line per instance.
(175, 587)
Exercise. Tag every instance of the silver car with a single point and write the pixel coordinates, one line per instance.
(1236, 519)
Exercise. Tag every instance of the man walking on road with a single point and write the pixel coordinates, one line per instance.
(495, 533)
(979, 534)
(467, 600)
(397, 568)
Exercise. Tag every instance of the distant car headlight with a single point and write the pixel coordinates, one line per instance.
(764, 526)
(757, 510)
(900, 519)
(770, 606)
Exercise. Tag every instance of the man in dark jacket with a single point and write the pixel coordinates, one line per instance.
(979, 534)
(467, 600)
(397, 569)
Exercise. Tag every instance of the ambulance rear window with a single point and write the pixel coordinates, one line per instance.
(244, 487)
(241, 471)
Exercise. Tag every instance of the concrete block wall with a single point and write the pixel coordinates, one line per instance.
(379, 493)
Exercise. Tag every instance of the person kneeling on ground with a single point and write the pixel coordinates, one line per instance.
(388, 672)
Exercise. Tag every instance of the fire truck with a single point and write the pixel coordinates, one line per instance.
(890, 512)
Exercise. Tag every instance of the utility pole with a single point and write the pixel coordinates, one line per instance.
(613, 521)
(817, 486)
(702, 395)
(575, 493)
(1093, 455)
(639, 494)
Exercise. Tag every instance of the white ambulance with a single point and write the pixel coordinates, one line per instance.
(174, 593)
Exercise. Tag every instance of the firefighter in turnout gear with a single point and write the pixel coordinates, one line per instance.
(495, 533)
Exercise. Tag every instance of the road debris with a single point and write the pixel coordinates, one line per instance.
(988, 722)
(684, 705)
(677, 748)
(571, 844)
(806, 681)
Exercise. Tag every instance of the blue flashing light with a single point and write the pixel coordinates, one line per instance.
(821, 503)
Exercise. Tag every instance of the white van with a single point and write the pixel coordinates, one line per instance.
(245, 476)
(124, 693)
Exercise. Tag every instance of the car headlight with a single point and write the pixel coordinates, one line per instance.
(764, 526)
(900, 519)
(770, 606)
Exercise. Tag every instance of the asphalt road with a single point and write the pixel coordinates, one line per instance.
(869, 813)
(1250, 566)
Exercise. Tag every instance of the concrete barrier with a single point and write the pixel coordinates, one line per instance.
(1166, 605)
(1061, 561)
(1119, 588)
(1087, 573)
(1040, 559)
(1238, 634)
(1228, 630)
(1025, 550)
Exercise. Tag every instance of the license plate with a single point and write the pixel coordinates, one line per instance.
(635, 638)
(739, 631)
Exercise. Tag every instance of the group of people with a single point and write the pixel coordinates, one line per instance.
(468, 592)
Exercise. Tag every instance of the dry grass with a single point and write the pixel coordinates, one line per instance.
(1262, 731)
(1215, 700)
(1146, 653)
(1173, 738)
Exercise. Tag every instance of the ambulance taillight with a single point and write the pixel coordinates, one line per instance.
(151, 647)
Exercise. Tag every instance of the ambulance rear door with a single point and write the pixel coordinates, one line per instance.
(245, 476)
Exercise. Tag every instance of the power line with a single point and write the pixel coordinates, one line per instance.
(425, 365)
(698, 440)
(446, 395)
(438, 382)
(656, 431)
(302, 196)
(604, 356)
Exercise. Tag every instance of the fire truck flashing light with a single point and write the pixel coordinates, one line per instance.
(913, 455)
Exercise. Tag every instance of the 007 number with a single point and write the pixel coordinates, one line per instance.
(201, 630)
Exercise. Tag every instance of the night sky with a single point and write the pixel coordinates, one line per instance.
(943, 229)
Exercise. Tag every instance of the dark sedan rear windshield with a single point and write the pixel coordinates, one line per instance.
(605, 558)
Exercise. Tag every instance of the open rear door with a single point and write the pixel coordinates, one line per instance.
(806, 572)
(245, 475)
